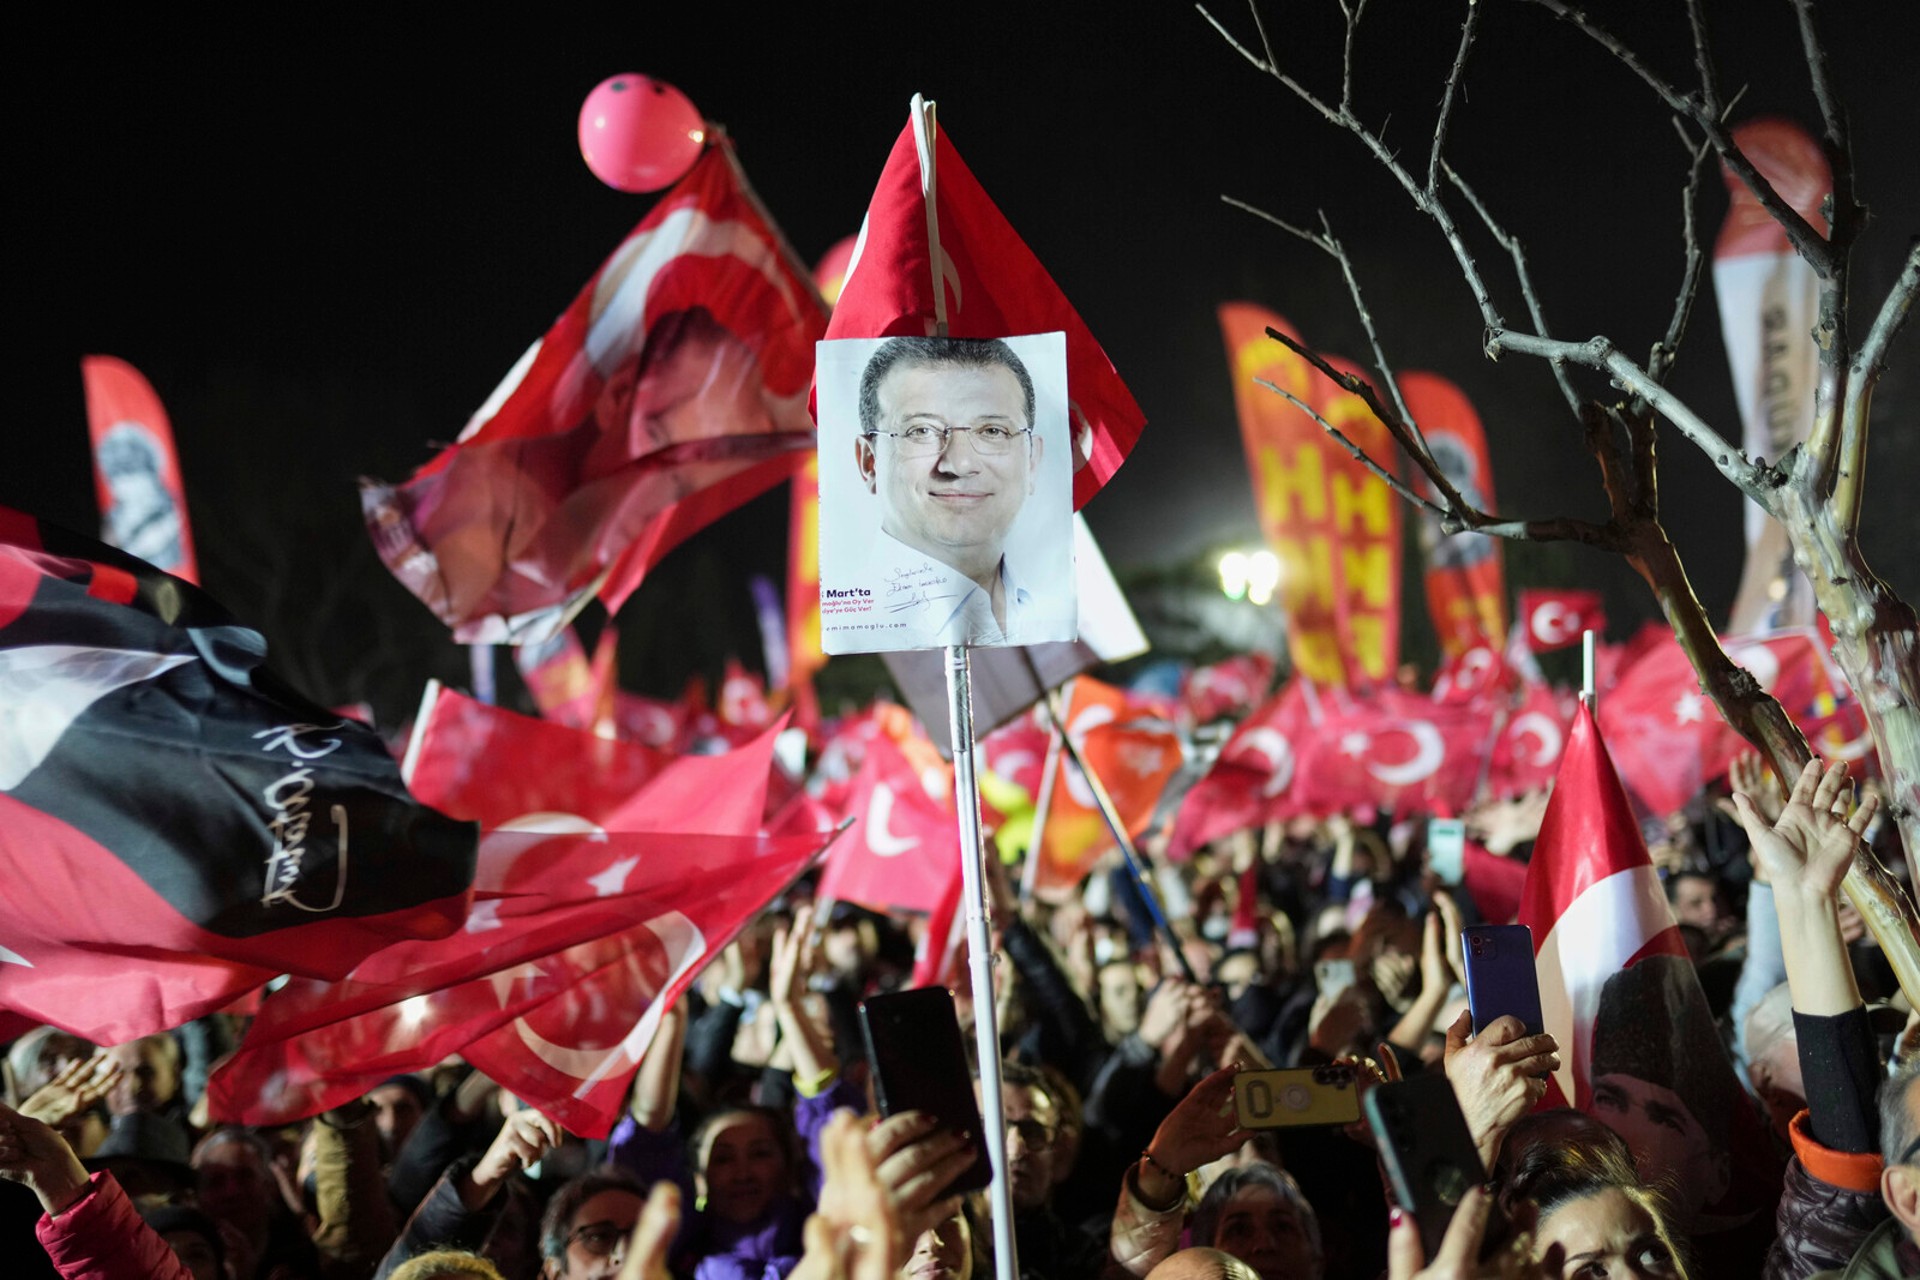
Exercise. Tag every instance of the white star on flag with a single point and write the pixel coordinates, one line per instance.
(484, 916)
(1690, 709)
(614, 878)
(1355, 744)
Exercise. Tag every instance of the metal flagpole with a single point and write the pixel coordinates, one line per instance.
(966, 791)
(1136, 861)
(1588, 694)
(973, 886)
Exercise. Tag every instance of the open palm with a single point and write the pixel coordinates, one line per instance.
(1811, 845)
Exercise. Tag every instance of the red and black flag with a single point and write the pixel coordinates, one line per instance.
(177, 826)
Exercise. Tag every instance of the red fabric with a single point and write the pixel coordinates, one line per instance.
(1465, 577)
(101, 1237)
(1231, 687)
(903, 850)
(136, 472)
(1556, 619)
(1396, 752)
(1017, 752)
(1495, 883)
(1134, 765)
(1474, 675)
(608, 876)
(995, 288)
(671, 391)
(1526, 755)
(1789, 158)
(1250, 784)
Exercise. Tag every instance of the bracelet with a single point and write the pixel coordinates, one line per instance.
(1180, 1178)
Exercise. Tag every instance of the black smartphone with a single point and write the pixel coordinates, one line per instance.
(919, 1063)
(1501, 977)
(1427, 1150)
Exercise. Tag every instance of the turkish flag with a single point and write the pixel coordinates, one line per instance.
(1555, 619)
(176, 825)
(672, 390)
(903, 849)
(1619, 993)
(1232, 687)
(1526, 754)
(994, 288)
(1017, 752)
(136, 473)
(1397, 752)
(1474, 675)
(1251, 784)
(743, 699)
(608, 876)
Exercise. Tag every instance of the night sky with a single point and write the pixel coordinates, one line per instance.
(325, 242)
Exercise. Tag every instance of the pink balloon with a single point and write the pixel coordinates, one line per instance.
(639, 134)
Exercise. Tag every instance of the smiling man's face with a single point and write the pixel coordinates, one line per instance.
(957, 503)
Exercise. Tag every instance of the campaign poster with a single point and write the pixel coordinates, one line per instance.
(946, 493)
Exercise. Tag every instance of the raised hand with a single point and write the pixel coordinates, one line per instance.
(856, 1234)
(653, 1235)
(1458, 1258)
(1201, 1128)
(1750, 775)
(523, 1139)
(1809, 847)
(1498, 1076)
(78, 1087)
(33, 1154)
(915, 1162)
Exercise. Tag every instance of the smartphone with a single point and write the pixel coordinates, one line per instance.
(1501, 977)
(1332, 977)
(919, 1063)
(1427, 1149)
(1299, 1096)
(1447, 848)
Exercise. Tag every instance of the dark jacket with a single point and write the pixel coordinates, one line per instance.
(1828, 1207)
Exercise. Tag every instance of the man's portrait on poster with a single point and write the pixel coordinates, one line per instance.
(945, 493)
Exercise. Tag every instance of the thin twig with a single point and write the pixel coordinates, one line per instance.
(1599, 353)
(1517, 252)
(1468, 30)
(1392, 482)
(1253, 6)
(1703, 60)
(1667, 351)
(1310, 237)
(1352, 15)
(1806, 238)
(1339, 252)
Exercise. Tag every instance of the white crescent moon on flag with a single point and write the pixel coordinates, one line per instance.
(1014, 762)
(686, 947)
(1273, 746)
(1542, 729)
(879, 835)
(1553, 623)
(494, 858)
(1429, 751)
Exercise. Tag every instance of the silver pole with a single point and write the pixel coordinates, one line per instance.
(1588, 694)
(986, 1026)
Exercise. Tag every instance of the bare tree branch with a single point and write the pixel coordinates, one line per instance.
(1253, 7)
(1517, 252)
(1806, 238)
(1468, 30)
(1833, 116)
(1352, 14)
(1757, 481)
(1703, 61)
(1864, 374)
(1392, 481)
(1661, 360)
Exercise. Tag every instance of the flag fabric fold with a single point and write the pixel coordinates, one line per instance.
(672, 390)
(994, 288)
(136, 472)
(165, 800)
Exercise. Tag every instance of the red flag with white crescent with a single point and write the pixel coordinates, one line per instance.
(1526, 755)
(1251, 783)
(136, 473)
(903, 850)
(1556, 619)
(1231, 687)
(607, 877)
(672, 390)
(993, 286)
(1395, 752)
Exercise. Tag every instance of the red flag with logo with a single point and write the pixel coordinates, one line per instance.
(1556, 619)
(903, 850)
(136, 473)
(1466, 584)
(608, 876)
(177, 825)
(1251, 783)
(1620, 995)
(993, 287)
(672, 390)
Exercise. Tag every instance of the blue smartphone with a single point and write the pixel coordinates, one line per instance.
(1501, 977)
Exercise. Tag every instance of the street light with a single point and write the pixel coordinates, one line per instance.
(1251, 576)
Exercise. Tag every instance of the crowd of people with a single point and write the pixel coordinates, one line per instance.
(751, 1148)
